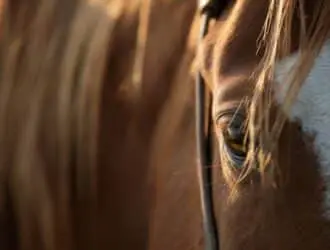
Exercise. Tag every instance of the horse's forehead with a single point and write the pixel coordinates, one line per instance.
(231, 45)
(311, 108)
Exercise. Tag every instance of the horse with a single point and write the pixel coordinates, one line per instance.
(98, 151)
(266, 64)
(86, 131)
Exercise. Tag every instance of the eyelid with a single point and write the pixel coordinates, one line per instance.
(222, 119)
(226, 116)
(229, 109)
(225, 119)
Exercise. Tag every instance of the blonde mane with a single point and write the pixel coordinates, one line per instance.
(276, 37)
(64, 65)
(53, 60)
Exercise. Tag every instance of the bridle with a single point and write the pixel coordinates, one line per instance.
(210, 9)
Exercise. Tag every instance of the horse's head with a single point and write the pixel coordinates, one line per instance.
(267, 64)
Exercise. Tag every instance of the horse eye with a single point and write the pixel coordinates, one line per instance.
(235, 141)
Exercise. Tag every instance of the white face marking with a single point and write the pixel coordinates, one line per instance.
(312, 109)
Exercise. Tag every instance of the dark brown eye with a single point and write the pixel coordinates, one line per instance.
(233, 134)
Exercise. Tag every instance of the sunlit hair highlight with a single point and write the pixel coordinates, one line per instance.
(52, 63)
(277, 38)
